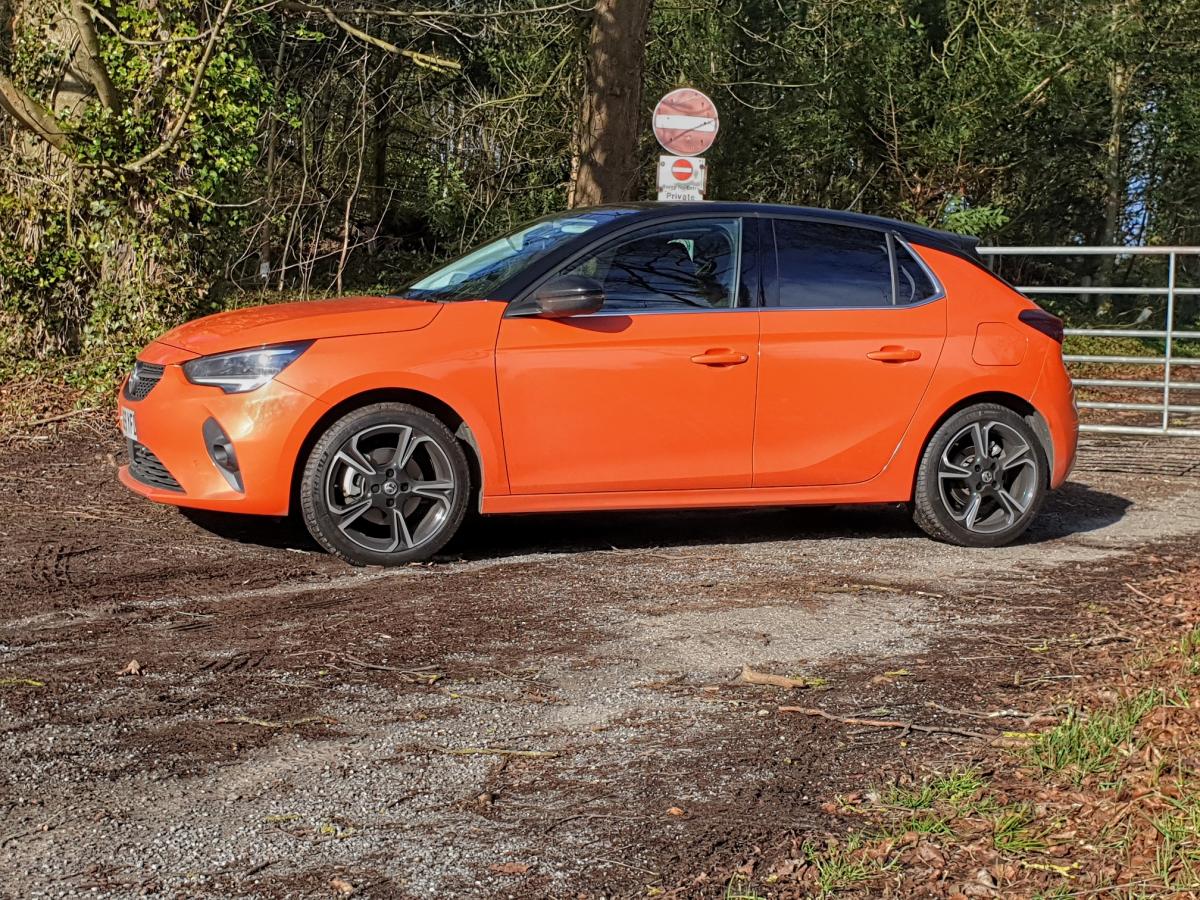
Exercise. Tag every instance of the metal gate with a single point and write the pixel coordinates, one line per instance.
(1167, 391)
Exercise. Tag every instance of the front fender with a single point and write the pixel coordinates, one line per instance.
(452, 361)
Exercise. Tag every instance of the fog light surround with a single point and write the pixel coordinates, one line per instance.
(221, 452)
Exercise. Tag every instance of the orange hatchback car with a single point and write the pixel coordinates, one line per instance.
(625, 357)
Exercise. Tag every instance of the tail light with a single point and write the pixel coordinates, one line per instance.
(1047, 324)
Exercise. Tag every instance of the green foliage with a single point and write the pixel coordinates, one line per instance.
(103, 259)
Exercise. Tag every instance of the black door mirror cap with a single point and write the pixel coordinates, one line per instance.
(569, 295)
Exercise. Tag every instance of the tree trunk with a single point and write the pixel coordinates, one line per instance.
(1114, 182)
(612, 116)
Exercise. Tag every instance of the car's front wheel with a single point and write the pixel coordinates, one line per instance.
(982, 478)
(385, 484)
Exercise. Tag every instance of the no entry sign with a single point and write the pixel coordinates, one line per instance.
(685, 122)
(682, 169)
(681, 178)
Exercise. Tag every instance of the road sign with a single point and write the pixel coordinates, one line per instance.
(681, 178)
(682, 169)
(685, 122)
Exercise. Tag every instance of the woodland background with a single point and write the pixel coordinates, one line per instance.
(161, 159)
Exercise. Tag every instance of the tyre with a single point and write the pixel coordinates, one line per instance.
(386, 484)
(982, 478)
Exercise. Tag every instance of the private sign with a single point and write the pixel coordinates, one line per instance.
(681, 178)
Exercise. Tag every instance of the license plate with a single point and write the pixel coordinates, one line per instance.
(129, 424)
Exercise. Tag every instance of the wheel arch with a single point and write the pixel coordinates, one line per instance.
(436, 407)
(1016, 403)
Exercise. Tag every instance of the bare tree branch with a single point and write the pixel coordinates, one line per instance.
(426, 60)
(32, 116)
(89, 57)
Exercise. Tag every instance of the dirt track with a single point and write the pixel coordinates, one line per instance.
(288, 728)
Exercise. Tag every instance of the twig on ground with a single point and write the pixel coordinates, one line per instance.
(625, 865)
(885, 723)
(1141, 594)
(61, 416)
(497, 751)
(263, 723)
(424, 677)
(981, 714)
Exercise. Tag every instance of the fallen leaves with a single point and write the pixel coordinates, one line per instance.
(341, 887)
(133, 667)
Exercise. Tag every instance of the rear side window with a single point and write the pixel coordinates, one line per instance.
(913, 284)
(823, 266)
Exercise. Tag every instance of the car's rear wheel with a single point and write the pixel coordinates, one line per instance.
(386, 484)
(982, 478)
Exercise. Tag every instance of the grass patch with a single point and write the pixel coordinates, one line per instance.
(1013, 831)
(739, 889)
(960, 791)
(841, 868)
(1096, 743)
(1177, 859)
(1189, 647)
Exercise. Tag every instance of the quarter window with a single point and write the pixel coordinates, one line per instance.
(831, 266)
(691, 264)
(913, 283)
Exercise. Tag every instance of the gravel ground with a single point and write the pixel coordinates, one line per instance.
(551, 710)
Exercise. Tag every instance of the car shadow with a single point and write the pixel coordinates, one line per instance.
(1073, 509)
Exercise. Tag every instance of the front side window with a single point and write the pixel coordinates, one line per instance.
(481, 272)
(692, 264)
(823, 266)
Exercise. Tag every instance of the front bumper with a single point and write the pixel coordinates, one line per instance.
(267, 427)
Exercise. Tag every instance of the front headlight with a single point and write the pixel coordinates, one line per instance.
(243, 370)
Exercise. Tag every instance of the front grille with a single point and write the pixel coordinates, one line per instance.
(148, 468)
(145, 376)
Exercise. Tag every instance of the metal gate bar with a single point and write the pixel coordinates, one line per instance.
(1168, 334)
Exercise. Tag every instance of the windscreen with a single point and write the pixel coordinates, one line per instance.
(477, 275)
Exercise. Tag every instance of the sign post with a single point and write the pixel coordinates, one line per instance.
(685, 123)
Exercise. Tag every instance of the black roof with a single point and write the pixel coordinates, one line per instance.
(961, 244)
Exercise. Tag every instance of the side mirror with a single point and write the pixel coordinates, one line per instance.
(569, 295)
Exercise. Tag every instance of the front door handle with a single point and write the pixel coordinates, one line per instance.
(892, 353)
(721, 357)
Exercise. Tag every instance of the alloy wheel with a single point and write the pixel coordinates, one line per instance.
(987, 477)
(389, 488)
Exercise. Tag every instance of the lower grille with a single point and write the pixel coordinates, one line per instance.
(148, 468)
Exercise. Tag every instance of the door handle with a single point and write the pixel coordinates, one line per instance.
(720, 357)
(892, 353)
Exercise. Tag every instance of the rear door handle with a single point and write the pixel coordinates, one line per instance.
(721, 357)
(893, 353)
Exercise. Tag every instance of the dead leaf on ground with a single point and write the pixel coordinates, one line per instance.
(675, 811)
(341, 887)
(133, 667)
(510, 868)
